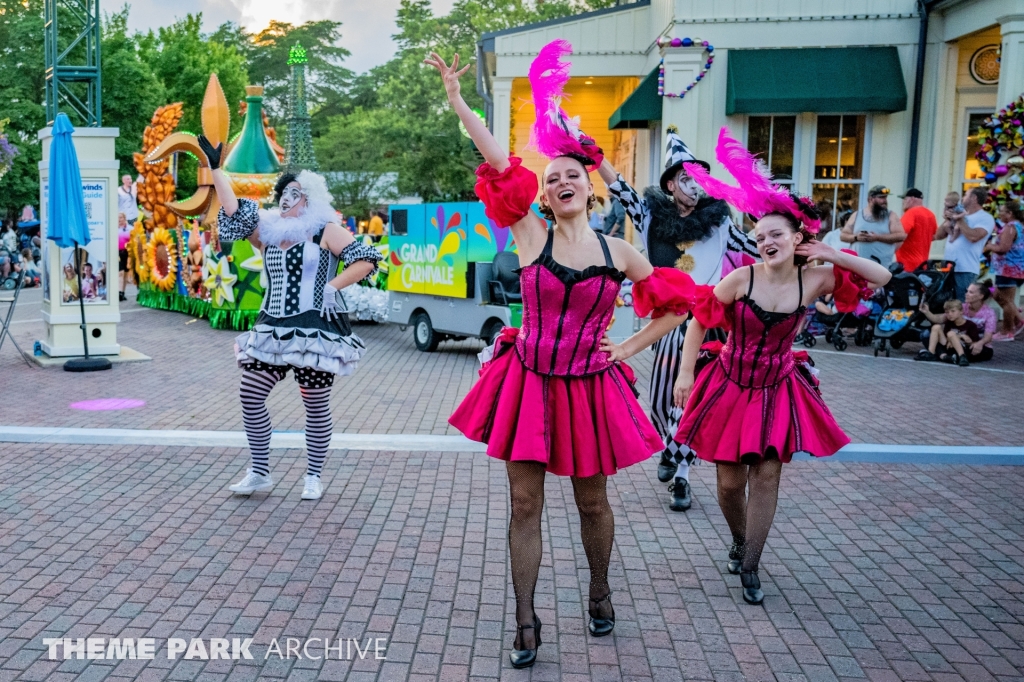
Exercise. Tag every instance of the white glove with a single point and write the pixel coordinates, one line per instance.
(329, 309)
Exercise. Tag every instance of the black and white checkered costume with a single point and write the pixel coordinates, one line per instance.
(703, 260)
(291, 335)
(290, 330)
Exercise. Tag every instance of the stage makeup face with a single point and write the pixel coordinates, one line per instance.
(293, 201)
(684, 190)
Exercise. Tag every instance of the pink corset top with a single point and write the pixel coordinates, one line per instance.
(759, 350)
(565, 314)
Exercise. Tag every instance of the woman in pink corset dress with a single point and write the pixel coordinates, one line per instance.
(757, 404)
(554, 398)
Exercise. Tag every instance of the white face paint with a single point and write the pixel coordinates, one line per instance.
(293, 201)
(684, 189)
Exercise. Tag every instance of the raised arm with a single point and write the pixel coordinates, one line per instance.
(221, 184)
(505, 187)
(875, 275)
(478, 132)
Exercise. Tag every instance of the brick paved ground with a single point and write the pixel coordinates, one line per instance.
(192, 382)
(872, 572)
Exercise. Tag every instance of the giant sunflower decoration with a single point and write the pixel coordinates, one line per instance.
(161, 259)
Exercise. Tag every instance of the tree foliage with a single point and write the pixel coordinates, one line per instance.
(21, 94)
(412, 129)
(266, 57)
(391, 119)
(131, 90)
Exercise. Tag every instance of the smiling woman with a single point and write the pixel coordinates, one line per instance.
(756, 405)
(555, 396)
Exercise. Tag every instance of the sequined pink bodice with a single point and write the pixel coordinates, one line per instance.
(565, 314)
(759, 350)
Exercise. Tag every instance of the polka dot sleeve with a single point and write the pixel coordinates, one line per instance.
(240, 225)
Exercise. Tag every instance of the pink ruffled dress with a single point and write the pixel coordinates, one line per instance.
(549, 394)
(758, 398)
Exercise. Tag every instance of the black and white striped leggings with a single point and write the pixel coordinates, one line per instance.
(258, 379)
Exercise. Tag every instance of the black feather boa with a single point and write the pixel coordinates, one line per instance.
(668, 225)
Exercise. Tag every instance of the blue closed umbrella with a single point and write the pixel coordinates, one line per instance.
(67, 225)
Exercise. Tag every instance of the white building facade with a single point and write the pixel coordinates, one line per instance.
(831, 92)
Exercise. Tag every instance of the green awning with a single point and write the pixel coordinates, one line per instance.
(642, 106)
(819, 80)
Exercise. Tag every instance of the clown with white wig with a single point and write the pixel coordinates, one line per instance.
(302, 325)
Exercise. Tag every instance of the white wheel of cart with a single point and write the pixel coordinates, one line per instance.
(423, 333)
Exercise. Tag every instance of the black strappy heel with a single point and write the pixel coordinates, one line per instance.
(524, 658)
(600, 627)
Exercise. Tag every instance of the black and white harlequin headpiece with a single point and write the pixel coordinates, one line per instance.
(676, 154)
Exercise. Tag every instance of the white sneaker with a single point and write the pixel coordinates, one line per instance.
(312, 490)
(251, 483)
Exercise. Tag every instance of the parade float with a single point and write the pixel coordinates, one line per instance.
(1001, 154)
(178, 260)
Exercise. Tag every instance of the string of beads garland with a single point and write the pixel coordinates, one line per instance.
(664, 41)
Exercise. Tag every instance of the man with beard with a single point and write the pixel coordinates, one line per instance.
(684, 229)
(875, 231)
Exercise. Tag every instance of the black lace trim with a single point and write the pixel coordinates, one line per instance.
(770, 318)
(568, 276)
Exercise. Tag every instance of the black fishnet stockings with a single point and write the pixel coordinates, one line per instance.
(750, 516)
(597, 526)
(526, 488)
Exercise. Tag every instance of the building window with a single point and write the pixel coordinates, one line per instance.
(839, 165)
(773, 139)
(972, 170)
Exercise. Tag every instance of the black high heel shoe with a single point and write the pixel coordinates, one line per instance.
(524, 658)
(736, 557)
(752, 593)
(600, 627)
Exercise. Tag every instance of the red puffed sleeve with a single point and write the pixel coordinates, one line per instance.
(506, 195)
(850, 288)
(709, 311)
(666, 291)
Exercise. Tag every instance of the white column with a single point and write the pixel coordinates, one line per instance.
(501, 92)
(99, 167)
(1011, 63)
(681, 68)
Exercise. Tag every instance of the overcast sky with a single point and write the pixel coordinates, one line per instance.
(366, 30)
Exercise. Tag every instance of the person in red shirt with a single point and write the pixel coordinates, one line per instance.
(920, 225)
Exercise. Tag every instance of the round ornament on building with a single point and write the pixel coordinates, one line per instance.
(984, 65)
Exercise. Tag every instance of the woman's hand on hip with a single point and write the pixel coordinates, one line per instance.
(616, 353)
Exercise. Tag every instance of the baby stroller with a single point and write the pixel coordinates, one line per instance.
(832, 326)
(899, 319)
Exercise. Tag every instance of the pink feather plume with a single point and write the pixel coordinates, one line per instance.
(756, 193)
(554, 133)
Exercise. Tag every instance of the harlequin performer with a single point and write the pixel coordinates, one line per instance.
(300, 328)
(554, 398)
(680, 228)
(758, 403)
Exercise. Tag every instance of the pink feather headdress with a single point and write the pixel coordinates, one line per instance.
(554, 133)
(756, 193)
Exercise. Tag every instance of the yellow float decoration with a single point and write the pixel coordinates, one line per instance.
(161, 260)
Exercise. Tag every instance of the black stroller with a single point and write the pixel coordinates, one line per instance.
(900, 318)
(833, 329)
